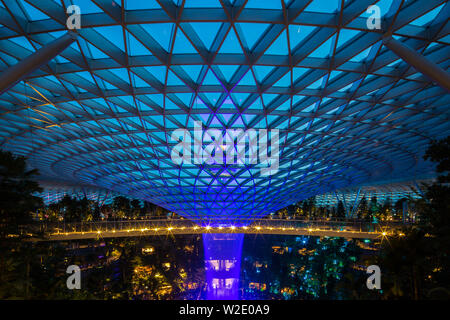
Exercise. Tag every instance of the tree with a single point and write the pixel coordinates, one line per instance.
(121, 206)
(50, 212)
(17, 202)
(398, 207)
(363, 209)
(435, 205)
(135, 207)
(291, 210)
(305, 208)
(340, 210)
(386, 209)
(76, 210)
(312, 206)
(417, 263)
(439, 151)
(17, 189)
(96, 212)
(149, 208)
(373, 208)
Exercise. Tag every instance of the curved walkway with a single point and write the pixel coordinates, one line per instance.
(165, 227)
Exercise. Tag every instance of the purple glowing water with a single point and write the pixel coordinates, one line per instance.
(222, 265)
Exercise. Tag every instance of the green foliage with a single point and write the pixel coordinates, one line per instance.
(439, 151)
(299, 268)
(76, 210)
(340, 210)
(17, 189)
(363, 209)
(121, 206)
(416, 265)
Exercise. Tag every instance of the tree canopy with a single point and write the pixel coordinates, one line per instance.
(17, 189)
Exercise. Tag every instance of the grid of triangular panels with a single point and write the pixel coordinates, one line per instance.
(348, 110)
(385, 193)
(54, 194)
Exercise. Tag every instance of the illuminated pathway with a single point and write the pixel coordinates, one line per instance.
(164, 227)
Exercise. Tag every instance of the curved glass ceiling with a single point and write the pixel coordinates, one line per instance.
(348, 110)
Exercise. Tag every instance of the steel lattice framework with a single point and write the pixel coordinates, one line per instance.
(55, 191)
(392, 192)
(348, 109)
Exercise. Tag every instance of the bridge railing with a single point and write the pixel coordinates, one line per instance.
(110, 225)
(126, 225)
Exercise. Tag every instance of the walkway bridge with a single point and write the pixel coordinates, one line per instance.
(164, 227)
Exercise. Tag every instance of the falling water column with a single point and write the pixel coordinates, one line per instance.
(222, 265)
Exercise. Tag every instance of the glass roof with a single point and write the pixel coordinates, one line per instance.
(55, 192)
(348, 110)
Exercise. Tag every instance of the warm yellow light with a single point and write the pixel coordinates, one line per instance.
(258, 228)
(232, 227)
(208, 227)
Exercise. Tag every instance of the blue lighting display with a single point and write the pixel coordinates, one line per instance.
(103, 112)
(222, 265)
(106, 113)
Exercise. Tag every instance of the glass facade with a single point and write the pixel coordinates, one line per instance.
(103, 113)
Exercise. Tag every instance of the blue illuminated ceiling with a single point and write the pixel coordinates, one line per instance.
(349, 111)
(392, 192)
(54, 191)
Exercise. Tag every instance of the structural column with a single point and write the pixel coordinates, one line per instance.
(20, 70)
(419, 62)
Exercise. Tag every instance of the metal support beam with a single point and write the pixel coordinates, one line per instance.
(419, 62)
(347, 214)
(20, 70)
(405, 210)
(419, 190)
(355, 203)
(337, 197)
